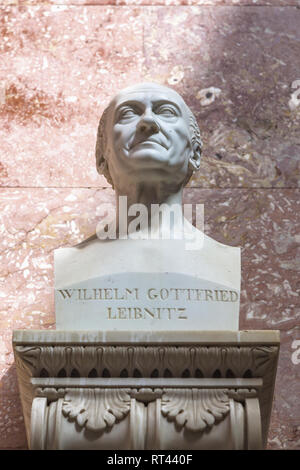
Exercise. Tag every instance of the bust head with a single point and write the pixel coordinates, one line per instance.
(148, 134)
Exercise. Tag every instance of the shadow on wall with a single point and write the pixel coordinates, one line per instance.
(13, 434)
(234, 66)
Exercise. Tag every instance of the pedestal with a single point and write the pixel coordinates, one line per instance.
(122, 390)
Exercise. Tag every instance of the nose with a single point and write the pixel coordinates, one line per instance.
(148, 123)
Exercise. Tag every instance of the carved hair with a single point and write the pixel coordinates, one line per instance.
(102, 153)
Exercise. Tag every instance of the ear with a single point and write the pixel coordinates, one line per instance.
(194, 161)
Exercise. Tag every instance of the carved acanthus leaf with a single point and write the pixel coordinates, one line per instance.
(28, 357)
(238, 360)
(264, 358)
(53, 359)
(82, 358)
(96, 409)
(195, 409)
(207, 359)
(176, 360)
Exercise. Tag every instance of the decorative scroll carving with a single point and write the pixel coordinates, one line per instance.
(51, 393)
(146, 395)
(241, 394)
(96, 409)
(195, 409)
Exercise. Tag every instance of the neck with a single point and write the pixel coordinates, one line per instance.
(138, 208)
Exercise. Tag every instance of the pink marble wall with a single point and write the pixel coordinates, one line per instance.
(60, 64)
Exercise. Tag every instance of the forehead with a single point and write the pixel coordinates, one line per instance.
(145, 94)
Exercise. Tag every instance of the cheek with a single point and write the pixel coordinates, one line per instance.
(181, 139)
(122, 135)
(118, 133)
(184, 133)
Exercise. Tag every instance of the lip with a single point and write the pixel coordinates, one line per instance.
(149, 142)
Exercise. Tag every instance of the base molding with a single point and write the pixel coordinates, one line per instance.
(210, 393)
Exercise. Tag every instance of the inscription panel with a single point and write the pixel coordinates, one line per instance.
(143, 301)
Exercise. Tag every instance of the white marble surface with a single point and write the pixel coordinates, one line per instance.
(154, 285)
(48, 337)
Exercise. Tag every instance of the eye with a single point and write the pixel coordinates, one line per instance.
(126, 113)
(166, 110)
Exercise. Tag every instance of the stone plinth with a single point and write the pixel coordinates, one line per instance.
(145, 390)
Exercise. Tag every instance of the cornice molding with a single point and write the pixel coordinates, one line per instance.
(148, 361)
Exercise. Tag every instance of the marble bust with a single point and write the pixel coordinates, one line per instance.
(148, 146)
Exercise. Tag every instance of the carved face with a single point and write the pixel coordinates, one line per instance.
(150, 137)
